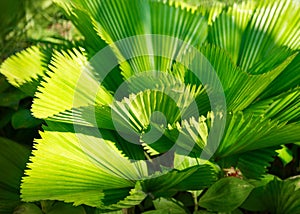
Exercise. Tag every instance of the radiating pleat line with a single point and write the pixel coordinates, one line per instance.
(122, 23)
(75, 85)
(33, 64)
(254, 164)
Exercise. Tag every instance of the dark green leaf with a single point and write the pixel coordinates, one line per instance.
(5, 116)
(289, 78)
(24, 119)
(3, 84)
(28, 208)
(282, 197)
(13, 158)
(226, 194)
(64, 208)
(284, 107)
(47, 205)
(253, 164)
(275, 196)
(246, 132)
(170, 206)
(11, 99)
(254, 201)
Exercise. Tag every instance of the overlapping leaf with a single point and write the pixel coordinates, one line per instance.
(284, 107)
(244, 132)
(226, 195)
(240, 88)
(76, 84)
(77, 167)
(289, 78)
(99, 159)
(83, 22)
(252, 32)
(254, 164)
(276, 196)
(115, 21)
(25, 69)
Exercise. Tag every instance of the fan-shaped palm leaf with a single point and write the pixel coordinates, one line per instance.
(67, 68)
(85, 155)
(33, 61)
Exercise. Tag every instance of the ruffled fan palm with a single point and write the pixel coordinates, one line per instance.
(84, 156)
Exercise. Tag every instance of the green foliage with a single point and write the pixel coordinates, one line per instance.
(23, 119)
(28, 208)
(226, 195)
(103, 150)
(29, 22)
(285, 155)
(275, 196)
(12, 168)
(163, 205)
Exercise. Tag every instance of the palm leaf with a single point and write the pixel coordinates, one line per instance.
(83, 22)
(192, 177)
(254, 164)
(114, 21)
(245, 132)
(256, 30)
(285, 135)
(82, 19)
(89, 116)
(193, 134)
(137, 109)
(178, 22)
(134, 197)
(240, 88)
(137, 116)
(284, 107)
(75, 81)
(203, 177)
(76, 167)
(26, 69)
(265, 31)
(289, 78)
(227, 29)
(165, 185)
(276, 197)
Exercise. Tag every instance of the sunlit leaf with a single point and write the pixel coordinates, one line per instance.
(285, 155)
(78, 168)
(25, 69)
(76, 84)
